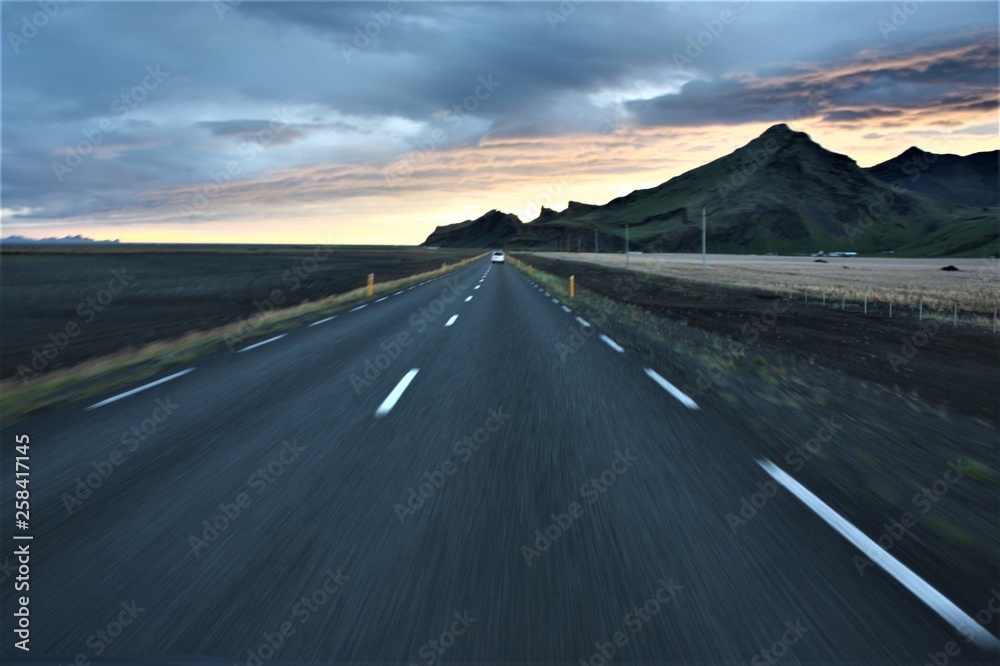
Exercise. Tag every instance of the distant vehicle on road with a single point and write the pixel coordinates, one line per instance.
(498, 257)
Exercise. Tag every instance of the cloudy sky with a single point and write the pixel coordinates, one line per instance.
(375, 122)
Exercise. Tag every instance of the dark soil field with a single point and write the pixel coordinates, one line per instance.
(913, 402)
(953, 367)
(96, 300)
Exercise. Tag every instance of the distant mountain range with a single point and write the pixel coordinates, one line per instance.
(783, 193)
(65, 240)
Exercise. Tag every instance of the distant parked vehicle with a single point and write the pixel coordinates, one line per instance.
(498, 257)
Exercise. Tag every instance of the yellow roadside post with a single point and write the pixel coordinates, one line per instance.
(443, 266)
(572, 286)
(370, 289)
(531, 269)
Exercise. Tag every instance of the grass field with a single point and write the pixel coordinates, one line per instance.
(68, 304)
(975, 286)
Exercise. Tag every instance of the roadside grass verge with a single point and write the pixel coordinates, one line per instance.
(19, 397)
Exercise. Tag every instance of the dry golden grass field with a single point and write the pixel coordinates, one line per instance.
(974, 287)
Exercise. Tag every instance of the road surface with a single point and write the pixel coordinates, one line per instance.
(461, 472)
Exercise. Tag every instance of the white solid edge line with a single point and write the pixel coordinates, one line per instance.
(468, 299)
(671, 389)
(141, 388)
(611, 343)
(391, 400)
(323, 321)
(358, 308)
(258, 344)
(566, 309)
(381, 299)
(954, 615)
(452, 320)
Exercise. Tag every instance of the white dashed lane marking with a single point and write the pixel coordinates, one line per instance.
(955, 616)
(141, 388)
(260, 344)
(611, 343)
(671, 389)
(391, 400)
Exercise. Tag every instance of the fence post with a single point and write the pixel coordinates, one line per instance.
(921, 309)
(370, 289)
(866, 303)
(954, 316)
(890, 308)
(843, 295)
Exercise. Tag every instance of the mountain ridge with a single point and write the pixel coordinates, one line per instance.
(781, 192)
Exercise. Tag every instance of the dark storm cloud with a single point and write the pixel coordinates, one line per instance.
(937, 75)
(847, 115)
(224, 76)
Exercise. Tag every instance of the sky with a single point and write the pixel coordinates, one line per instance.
(257, 122)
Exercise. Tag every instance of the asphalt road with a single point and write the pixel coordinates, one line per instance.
(266, 507)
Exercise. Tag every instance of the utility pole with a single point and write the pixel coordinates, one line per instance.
(626, 246)
(704, 261)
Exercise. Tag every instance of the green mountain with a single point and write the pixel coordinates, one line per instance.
(972, 180)
(782, 193)
(493, 229)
